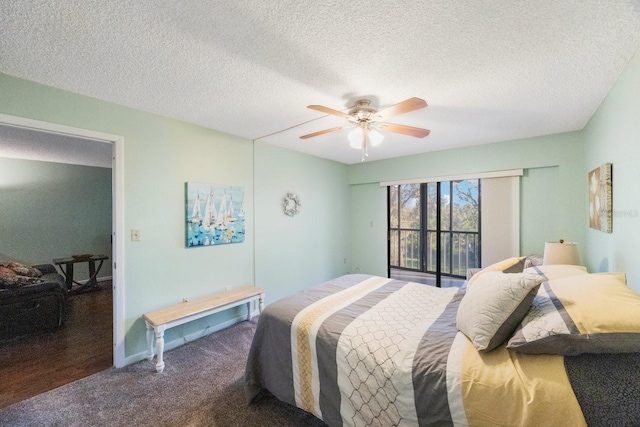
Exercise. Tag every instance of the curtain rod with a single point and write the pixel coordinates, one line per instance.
(475, 175)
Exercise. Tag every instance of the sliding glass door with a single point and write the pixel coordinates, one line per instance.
(405, 229)
(434, 229)
(453, 228)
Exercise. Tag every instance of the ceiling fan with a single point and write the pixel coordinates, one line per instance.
(367, 121)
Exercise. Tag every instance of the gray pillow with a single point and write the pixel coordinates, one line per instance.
(494, 306)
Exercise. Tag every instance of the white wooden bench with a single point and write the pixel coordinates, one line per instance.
(162, 319)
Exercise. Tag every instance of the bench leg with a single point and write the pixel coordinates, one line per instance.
(249, 311)
(261, 305)
(149, 341)
(160, 348)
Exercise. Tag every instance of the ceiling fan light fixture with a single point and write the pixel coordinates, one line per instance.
(355, 138)
(367, 120)
(375, 137)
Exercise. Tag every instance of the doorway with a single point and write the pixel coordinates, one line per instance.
(57, 193)
(117, 237)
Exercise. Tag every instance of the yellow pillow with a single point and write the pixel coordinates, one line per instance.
(509, 265)
(587, 313)
(552, 272)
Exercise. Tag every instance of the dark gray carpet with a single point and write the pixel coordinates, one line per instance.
(202, 385)
(606, 386)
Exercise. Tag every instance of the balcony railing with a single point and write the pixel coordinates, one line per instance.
(460, 251)
(405, 248)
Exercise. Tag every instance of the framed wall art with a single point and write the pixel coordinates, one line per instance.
(214, 214)
(600, 198)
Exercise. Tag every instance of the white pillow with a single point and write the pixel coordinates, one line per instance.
(494, 306)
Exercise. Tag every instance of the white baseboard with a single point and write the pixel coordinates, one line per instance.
(189, 338)
(98, 279)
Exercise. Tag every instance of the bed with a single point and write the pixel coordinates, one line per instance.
(365, 350)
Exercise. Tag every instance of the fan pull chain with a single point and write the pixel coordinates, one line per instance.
(365, 145)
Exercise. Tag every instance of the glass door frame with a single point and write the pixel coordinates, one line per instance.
(425, 231)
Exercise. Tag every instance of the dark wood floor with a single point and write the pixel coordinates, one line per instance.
(84, 346)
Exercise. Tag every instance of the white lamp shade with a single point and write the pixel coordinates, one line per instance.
(355, 138)
(565, 253)
(375, 137)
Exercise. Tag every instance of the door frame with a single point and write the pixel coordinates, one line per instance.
(117, 229)
(424, 230)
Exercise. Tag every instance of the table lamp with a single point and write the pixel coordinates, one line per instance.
(561, 252)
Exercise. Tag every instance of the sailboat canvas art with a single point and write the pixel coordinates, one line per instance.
(214, 214)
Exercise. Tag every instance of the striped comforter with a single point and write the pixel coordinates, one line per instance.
(366, 350)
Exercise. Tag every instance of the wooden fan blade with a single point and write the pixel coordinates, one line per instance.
(406, 106)
(321, 132)
(406, 130)
(329, 111)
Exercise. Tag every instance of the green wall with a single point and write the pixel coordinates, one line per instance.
(368, 234)
(613, 135)
(343, 215)
(552, 190)
(160, 155)
(293, 253)
(54, 210)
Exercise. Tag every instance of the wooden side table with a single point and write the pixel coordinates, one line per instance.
(66, 267)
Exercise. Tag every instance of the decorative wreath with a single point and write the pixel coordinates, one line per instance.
(291, 204)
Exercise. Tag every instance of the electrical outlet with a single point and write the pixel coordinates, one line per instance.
(135, 235)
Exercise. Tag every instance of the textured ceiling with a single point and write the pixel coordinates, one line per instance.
(489, 70)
